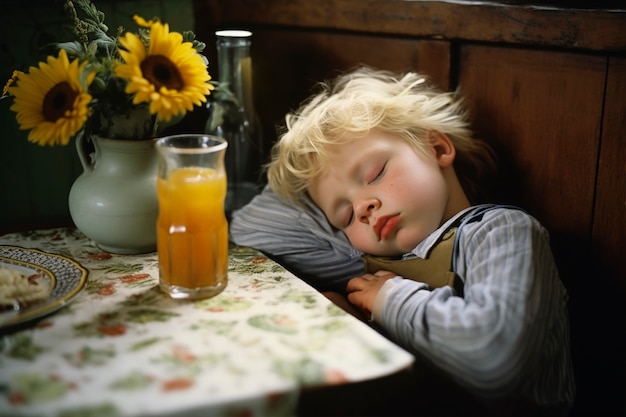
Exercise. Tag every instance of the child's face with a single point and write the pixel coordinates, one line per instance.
(382, 194)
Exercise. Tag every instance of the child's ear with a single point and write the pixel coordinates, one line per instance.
(444, 148)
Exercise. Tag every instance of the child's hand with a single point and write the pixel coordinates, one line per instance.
(362, 290)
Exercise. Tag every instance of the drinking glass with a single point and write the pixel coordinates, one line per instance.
(192, 230)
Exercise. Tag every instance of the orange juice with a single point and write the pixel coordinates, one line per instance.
(192, 232)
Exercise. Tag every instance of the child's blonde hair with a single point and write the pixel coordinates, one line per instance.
(365, 99)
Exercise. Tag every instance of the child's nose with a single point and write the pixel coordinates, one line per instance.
(365, 208)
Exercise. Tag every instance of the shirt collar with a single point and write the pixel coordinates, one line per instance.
(423, 248)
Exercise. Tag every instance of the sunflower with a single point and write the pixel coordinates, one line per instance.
(170, 74)
(51, 101)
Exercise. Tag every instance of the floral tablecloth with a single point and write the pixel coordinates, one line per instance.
(121, 347)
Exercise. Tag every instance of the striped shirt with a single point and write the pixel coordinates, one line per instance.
(508, 336)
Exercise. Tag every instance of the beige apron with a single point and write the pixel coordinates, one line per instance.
(434, 270)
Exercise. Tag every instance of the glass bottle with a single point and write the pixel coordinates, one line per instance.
(234, 118)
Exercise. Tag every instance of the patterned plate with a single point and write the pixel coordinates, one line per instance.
(66, 278)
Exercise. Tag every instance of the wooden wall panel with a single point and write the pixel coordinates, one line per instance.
(485, 21)
(435, 60)
(541, 111)
(609, 226)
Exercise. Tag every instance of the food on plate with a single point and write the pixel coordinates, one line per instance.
(19, 290)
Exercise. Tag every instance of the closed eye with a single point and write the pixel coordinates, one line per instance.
(378, 176)
(347, 218)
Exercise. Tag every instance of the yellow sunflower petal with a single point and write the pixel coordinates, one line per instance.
(10, 82)
(134, 45)
(140, 21)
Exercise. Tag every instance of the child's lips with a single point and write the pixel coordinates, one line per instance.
(385, 225)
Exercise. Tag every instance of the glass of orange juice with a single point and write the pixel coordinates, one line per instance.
(192, 231)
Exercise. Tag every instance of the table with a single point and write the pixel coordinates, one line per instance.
(122, 347)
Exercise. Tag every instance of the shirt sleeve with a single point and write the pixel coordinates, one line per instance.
(509, 333)
(300, 239)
